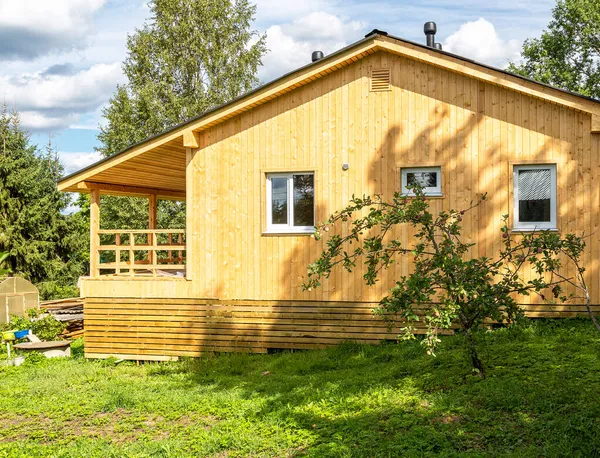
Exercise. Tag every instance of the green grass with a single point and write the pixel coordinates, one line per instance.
(541, 398)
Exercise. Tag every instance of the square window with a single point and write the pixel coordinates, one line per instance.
(534, 196)
(291, 202)
(430, 179)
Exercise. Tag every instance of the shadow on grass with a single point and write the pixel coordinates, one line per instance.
(540, 397)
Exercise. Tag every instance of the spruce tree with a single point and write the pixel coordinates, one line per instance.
(43, 245)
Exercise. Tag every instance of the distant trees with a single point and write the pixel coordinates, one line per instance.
(190, 56)
(567, 54)
(41, 243)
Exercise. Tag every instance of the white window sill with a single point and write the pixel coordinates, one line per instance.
(426, 195)
(291, 232)
(534, 229)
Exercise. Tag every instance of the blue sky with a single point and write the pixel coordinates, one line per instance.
(60, 60)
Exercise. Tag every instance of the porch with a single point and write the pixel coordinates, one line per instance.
(155, 171)
(126, 253)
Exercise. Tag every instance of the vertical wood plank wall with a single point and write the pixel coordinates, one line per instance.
(475, 131)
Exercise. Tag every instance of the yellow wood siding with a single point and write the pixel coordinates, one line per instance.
(134, 328)
(243, 288)
(474, 130)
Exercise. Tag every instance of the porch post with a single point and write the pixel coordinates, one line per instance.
(94, 228)
(152, 225)
(190, 212)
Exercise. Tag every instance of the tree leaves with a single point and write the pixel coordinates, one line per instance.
(447, 287)
(3, 257)
(39, 242)
(190, 56)
(567, 55)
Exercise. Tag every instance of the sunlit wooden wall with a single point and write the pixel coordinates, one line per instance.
(475, 131)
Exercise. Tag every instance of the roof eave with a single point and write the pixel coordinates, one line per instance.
(374, 41)
(67, 182)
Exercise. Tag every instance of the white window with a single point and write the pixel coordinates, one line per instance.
(535, 196)
(291, 202)
(430, 179)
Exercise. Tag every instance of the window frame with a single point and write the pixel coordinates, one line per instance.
(288, 228)
(540, 225)
(429, 191)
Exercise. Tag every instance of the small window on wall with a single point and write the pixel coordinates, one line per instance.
(534, 197)
(429, 178)
(290, 202)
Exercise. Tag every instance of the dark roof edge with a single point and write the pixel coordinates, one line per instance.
(490, 67)
(367, 37)
(376, 32)
(219, 107)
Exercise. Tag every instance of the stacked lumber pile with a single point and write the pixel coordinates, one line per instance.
(69, 311)
(74, 330)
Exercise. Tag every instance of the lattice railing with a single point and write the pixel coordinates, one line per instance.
(144, 252)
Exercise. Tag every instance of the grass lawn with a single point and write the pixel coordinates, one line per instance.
(541, 398)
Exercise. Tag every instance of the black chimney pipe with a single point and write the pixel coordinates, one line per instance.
(430, 29)
(317, 55)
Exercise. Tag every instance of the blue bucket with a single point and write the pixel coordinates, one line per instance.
(21, 334)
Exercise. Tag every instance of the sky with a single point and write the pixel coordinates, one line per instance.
(60, 60)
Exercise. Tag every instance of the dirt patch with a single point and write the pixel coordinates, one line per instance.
(447, 419)
(120, 426)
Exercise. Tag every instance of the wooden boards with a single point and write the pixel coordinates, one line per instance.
(94, 228)
(476, 131)
(190, 327)
(153, 253)
(155, 328)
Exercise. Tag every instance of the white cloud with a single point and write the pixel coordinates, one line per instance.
(278, 11)
(32, 28)
(478, 40)
(290, 45)
(37, 121)
(323, 27)
(77, 161)
(55, 101)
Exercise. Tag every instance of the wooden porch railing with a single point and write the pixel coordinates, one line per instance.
(146, 251)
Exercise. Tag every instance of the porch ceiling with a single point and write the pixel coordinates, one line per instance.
(160, 171)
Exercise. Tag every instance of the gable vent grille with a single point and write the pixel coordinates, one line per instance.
(380, 79)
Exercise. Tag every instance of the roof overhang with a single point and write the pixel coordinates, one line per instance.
(158, 170)
(158, 163)
(187, 135)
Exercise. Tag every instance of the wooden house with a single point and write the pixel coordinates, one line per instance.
(258, 172)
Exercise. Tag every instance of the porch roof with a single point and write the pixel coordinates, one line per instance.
(159, 171)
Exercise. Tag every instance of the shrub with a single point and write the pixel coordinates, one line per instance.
(41, 323)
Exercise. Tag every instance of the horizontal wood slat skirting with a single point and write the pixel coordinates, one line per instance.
(159, 329)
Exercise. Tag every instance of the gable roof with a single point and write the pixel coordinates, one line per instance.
(185, 135)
